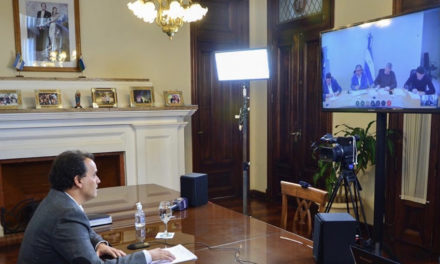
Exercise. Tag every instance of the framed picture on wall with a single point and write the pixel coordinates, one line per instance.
(47, 34)
(10, 99)
(173, 98)
(104, 97)
(141, 96)
(48, 99)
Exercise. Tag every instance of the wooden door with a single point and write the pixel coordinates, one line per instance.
(217, 142)
(295, 118)
(406, 221)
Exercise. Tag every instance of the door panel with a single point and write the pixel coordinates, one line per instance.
(283, 109)
(314, 122)
(217, 142)
(295, 119)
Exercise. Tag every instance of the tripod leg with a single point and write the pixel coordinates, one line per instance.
(333, 196)
(355, 209)
(357, 189)
(347, 201)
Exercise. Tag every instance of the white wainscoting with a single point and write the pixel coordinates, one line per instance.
(153, 140)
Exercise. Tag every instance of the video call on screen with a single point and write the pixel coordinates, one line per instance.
(404, 50)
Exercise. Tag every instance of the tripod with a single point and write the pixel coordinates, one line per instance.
(352, 187)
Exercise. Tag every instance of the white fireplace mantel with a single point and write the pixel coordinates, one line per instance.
(152, 138)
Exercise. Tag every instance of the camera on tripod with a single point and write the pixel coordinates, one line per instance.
(337, 149)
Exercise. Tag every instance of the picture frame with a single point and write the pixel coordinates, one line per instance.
(141, 96)
(173, 98)
(48, 98)
(47, 34)
(104, 97)
(10, 99)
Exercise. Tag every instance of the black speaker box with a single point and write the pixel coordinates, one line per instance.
(194, 187)
(332, 237)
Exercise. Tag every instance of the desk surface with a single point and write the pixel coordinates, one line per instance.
(220, 228)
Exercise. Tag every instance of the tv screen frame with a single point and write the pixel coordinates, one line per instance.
(369, 52)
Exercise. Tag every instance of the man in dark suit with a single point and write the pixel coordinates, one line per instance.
(359, 81)
(386, 78)
(331, 87)
(59, 231)
(43, 20)
(419, 82)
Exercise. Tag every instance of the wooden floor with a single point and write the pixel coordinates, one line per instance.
(270, 212)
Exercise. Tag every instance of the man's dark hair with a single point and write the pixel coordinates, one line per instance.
(420, 70)
(65, 167)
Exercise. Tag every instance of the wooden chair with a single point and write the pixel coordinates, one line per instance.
(302, 220)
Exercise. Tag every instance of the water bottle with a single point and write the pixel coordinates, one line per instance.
(139, 222)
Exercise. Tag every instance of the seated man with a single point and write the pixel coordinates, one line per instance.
(420, 82)
(359, 80)
(331, 87)
(59, 231)
(386, 78)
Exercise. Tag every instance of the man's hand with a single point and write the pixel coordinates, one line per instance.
(103, 249)
(160, 254)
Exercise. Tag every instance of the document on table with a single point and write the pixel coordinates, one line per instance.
(181, 253)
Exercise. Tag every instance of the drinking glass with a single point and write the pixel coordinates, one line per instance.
(165, 213)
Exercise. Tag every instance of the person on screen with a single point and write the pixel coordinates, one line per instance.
(59, 231)
(331, 87)
(359, 80)
(386, 78)
(419, 82)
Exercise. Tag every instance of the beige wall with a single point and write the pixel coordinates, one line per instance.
(349, 12)
(258, 101)
(116, 44)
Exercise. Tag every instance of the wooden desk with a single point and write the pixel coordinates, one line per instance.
(213, 225)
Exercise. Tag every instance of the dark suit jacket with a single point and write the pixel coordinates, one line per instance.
(364, 82)
(47, 14)
(423, 85)
(336, 88)
(384, 80)
(59, 232)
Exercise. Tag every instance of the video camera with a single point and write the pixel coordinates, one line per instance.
(337, 149)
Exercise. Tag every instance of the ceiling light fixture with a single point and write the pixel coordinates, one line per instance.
(168, 14)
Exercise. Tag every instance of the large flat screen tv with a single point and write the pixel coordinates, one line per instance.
(386, 65)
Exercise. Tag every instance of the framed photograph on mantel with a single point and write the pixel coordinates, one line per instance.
(141, 96)
(48, 98)
(47, 34)
(173, 98)
(10, 99)
(104, 97)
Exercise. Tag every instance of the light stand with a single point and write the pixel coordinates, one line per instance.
(243, 118)
(244, 65)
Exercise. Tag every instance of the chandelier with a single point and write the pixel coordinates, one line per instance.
(168, 14)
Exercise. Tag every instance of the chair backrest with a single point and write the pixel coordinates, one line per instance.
(302, 220)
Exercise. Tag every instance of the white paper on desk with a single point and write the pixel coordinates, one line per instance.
(359, 92)
(399, 92)
(415, 96)
(181, 253)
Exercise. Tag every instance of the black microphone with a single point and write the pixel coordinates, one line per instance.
(80, 260)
